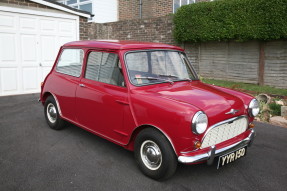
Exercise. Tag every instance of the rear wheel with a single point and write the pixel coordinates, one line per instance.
(52, 114)
(155, 155)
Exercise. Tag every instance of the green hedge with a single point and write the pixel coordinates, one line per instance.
(224, 20)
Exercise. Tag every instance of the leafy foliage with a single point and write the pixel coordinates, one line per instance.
(275, 109)
(239, 20)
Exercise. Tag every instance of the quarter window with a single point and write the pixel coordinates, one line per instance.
(70, 62)
(104, 67)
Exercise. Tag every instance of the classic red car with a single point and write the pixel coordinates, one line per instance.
(147, 98)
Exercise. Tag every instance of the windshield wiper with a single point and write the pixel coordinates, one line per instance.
(186, 79)
(170, 76)
(154, 78)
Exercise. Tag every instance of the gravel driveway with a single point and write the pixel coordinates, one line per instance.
(34, 157)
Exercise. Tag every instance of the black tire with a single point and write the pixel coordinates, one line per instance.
(148, 144)
(53, 117)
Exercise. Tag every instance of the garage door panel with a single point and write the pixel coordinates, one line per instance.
(67, 28)
(64, 39)
(29, 44)
(48, 26)
(28, 24)
(29, 50)
(45, 72)
(7, 21)
(9, 80)
(49, 50)
(29, 78)
(7, 48)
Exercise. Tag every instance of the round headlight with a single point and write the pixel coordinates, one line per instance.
(253, 108)
(199, 122)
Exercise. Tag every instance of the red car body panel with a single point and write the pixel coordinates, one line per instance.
(116, 113)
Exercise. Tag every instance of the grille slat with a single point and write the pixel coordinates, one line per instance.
(225, 131)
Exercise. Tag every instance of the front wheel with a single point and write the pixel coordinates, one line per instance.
(52, 114)
(155, 155)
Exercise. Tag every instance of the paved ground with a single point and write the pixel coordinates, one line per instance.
(34, 157)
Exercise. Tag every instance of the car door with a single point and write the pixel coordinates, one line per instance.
(65, 79)
(101, 96)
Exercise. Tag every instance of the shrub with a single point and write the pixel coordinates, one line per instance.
(275, 109)
(239, 20)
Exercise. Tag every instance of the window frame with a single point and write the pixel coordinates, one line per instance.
(180, 4)
(97, 81)
(151, 50)
(83, 59)
(78, 3)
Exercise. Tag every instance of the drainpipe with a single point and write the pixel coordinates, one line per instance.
(141, 3)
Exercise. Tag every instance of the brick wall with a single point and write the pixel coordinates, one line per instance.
(153, 30)
(130, 9)
(85, 27)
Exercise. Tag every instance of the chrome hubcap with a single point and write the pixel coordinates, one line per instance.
(51, 113)
(151, 155)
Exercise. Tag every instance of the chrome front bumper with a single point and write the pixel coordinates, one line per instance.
(213, 152)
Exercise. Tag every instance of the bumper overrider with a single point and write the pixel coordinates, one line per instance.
(215, 152)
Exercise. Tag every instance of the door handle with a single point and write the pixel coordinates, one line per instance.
(82, 85)
(122, 102)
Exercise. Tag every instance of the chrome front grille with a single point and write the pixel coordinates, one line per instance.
(224, 130)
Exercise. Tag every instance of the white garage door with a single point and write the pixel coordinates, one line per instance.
(28, 47)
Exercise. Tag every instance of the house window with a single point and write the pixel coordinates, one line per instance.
(179, 3)
(85, 5)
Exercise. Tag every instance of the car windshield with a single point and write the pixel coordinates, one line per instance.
(158, 66)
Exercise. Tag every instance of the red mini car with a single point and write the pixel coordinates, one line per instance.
(147, 98)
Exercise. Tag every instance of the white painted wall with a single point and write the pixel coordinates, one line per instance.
(105, 11)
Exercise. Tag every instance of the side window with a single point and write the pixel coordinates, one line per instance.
(104, 67)
(70, 62)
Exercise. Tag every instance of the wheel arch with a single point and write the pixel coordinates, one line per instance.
(130, 145)
(46, 95)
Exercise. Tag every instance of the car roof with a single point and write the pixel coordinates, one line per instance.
(119, 45)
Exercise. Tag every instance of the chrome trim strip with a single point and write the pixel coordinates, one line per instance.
(58, 105)
(212, 153)
(168, 138)
(223, 122)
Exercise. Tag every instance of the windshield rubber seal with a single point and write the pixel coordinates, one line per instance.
(153, 50)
